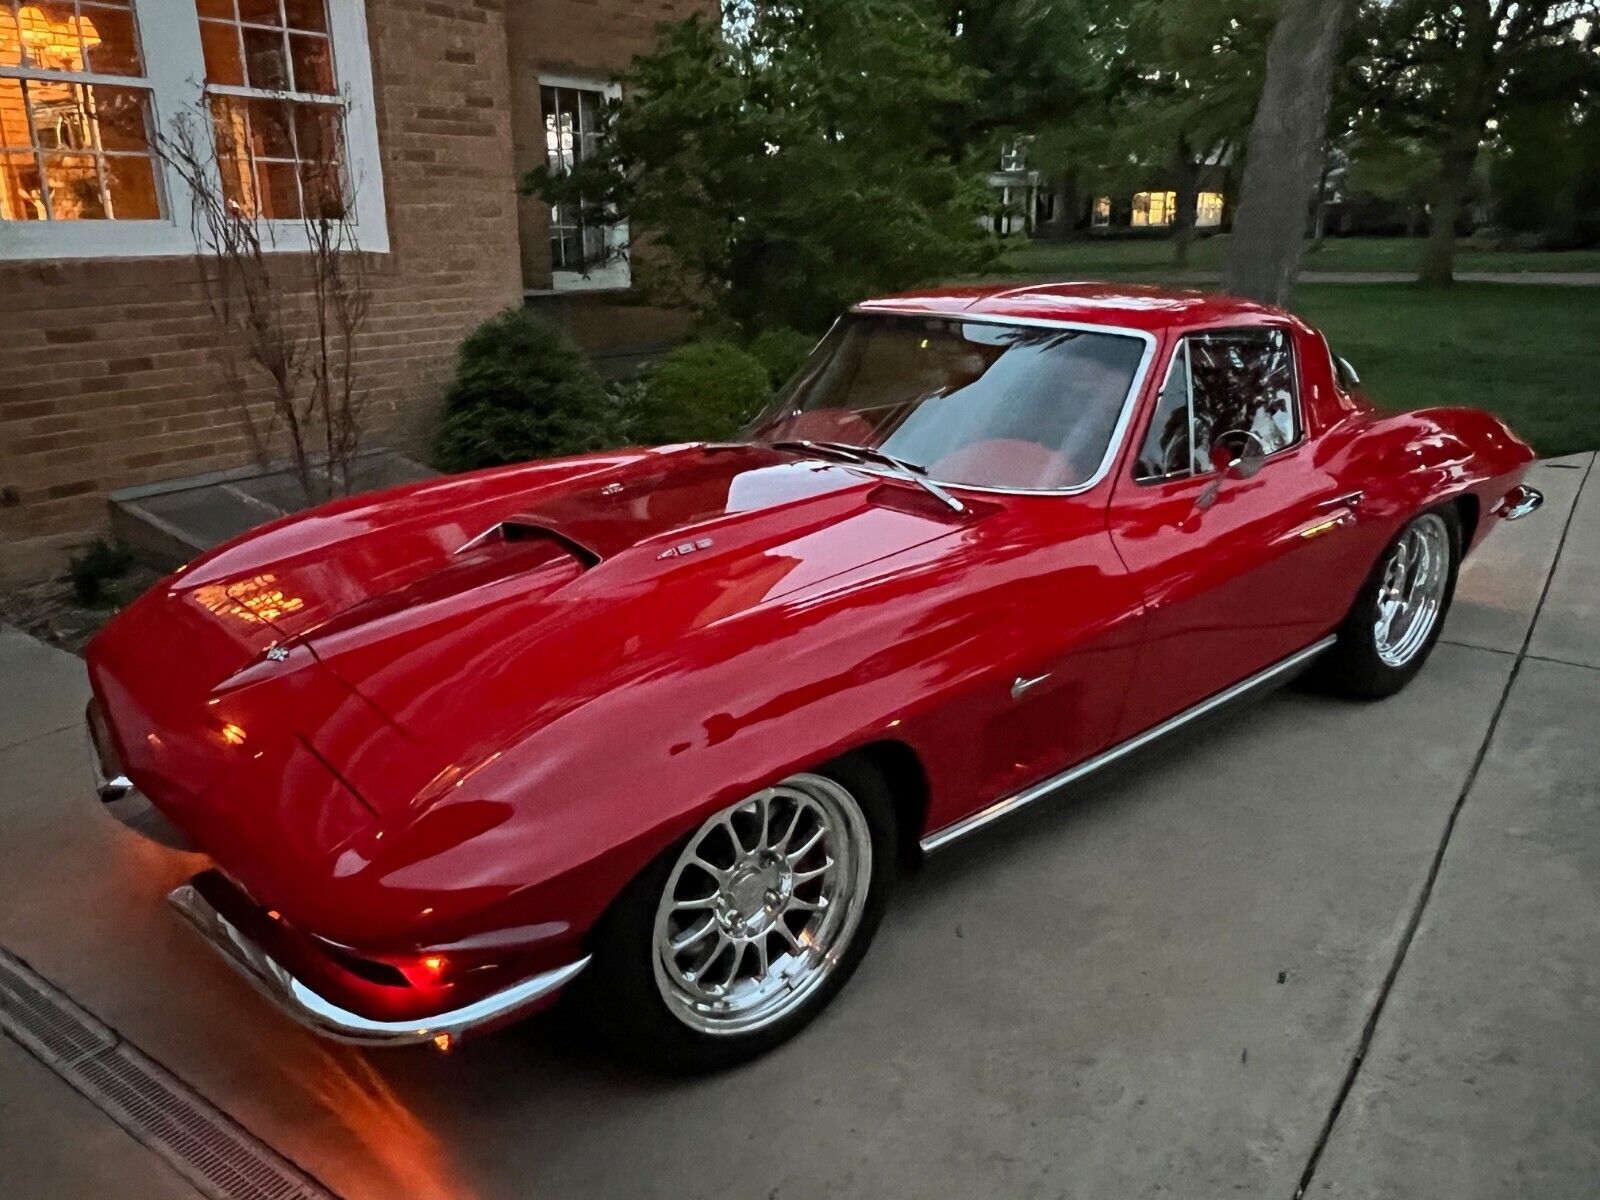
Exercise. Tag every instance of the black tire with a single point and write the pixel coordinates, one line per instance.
(620, 992)
(1354, 667)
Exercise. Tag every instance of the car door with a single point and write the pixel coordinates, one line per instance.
(1236, 573)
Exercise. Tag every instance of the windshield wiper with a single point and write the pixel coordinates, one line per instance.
(867, 454)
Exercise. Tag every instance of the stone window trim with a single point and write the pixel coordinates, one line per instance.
(175, 76)
(616, 273)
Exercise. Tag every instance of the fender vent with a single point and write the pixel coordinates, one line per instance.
(205, 1146)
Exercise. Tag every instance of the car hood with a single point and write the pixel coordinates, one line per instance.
(454, 629)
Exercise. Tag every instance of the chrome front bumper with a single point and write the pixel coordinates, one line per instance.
(118, 794)
(324, 1017)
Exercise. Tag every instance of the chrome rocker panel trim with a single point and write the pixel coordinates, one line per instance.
(322, 1016)
(1004, 808)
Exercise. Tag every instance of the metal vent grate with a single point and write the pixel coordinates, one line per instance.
(202, 1144)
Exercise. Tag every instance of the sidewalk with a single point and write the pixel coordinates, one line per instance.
(1163, 987)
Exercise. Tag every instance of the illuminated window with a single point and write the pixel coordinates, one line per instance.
(275, 108)
(88, 89)
(74, 148)
(1208, 209)
(583, 255)
(1154, 208)
(1102, 212)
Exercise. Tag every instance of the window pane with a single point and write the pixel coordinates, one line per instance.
(74, 185)
(265, 64)
(121, 118)
(313, 64)
(224, 62)
(1244, 392)
(318, 137)
(21, 198)
(13, 116)
(1166, 444)
(270, 122)
(307, 14)
(261, 12)
(324, 188)
(279, 190)
(10, 39)
(110, 42)
(131, 183)
(60, 116)
(215, 8)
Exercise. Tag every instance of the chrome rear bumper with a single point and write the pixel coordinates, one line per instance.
(118, 794)
(324, 1017)
(1519, 502)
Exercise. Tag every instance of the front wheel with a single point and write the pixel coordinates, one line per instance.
(736, 938)
(1400, 612)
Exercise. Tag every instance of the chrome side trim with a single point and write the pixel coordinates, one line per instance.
(322, 1016)
(1519, 502)
(1003, 808)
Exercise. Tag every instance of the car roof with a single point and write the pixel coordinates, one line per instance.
(1127, 305)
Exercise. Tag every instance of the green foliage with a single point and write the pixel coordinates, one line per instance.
(781, 352)
(702, 391)
(791, 167)
(522, 390)
(99, 564)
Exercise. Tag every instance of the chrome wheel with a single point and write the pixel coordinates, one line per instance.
(761, 904)
(1411, 590)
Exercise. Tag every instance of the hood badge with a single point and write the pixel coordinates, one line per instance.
(277, 654)
(683, 548)
(611, 489)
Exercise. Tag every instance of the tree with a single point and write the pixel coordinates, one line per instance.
(791, 166)
(1440, 76)
(1285, 154)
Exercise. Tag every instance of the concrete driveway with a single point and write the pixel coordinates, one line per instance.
(1353, 946)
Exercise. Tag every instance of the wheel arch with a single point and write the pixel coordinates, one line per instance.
(907, 780)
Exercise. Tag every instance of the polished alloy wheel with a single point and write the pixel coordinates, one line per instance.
(761, 904)
(1411, 590)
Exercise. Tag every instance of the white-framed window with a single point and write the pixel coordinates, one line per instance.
(89, 87)
(583, 256)
(1102, 213)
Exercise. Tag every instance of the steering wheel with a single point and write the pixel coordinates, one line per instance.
(1245, 436)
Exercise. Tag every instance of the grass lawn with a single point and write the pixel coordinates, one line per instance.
(1095, 258)
(1524, 352)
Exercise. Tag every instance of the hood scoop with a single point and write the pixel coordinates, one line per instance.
(517, 530)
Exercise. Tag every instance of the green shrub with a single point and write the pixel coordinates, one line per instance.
(522, 390)
(781, 352)
(100, 562)
(702, 391)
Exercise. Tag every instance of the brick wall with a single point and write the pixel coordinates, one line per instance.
(109, 369)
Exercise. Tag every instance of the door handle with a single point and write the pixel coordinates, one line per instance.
(1347, 500)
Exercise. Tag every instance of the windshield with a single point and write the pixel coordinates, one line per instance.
(988, 405)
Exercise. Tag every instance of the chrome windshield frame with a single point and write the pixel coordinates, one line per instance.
(1119, 431)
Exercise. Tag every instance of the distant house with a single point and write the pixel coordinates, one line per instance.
(1155, 210)
(109, 369)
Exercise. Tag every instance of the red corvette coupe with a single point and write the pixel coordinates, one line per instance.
(662, 725)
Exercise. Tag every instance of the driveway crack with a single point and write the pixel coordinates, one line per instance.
(1353, 1069)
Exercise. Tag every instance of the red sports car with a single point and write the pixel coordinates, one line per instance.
(663, 724)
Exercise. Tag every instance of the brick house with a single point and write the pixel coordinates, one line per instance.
(109, 371)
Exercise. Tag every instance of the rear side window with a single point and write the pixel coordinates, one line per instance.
(1233, 389)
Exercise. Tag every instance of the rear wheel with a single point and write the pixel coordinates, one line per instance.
(737, 937)
(1400, 612)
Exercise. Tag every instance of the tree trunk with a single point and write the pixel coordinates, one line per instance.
(1186, 181)
(1064, 220)
(1472, 98)
(1285, 150)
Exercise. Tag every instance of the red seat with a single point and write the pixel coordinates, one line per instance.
(1006, 462)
